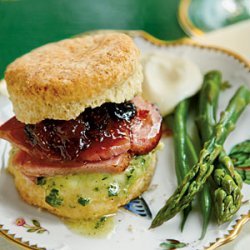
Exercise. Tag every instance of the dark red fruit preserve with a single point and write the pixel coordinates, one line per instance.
(64, 140)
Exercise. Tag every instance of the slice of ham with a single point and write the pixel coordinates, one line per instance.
(109, 155)
(105, 150)
(145, 127)
(13, 131)
(34, 167)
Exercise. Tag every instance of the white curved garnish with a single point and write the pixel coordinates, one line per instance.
(168, 79)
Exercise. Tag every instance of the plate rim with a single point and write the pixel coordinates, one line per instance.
(185, 22)
(244, 218)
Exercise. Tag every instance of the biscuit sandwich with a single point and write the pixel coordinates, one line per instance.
(83, 139)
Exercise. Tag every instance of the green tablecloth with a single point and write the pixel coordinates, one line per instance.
(26, 24)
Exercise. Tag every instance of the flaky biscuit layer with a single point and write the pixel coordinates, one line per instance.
(59, 80)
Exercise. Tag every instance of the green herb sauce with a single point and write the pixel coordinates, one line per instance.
(92, 228)
(83, 201)
(54, 198)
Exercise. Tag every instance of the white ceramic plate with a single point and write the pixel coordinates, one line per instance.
(131, 231)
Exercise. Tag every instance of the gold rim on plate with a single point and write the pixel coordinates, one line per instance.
(236, 228)
(184, 20)
(18, 241)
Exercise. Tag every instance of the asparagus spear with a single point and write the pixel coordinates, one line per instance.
(205, 194)
(180, 145)
(208, 102)
(198, 175)
(207, 119)
(227, 195)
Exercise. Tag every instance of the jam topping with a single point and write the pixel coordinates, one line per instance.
(64, 140)
(97, 136)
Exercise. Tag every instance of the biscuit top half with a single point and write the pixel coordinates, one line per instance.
(59, 80)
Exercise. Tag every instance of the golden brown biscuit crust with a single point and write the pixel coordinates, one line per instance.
(59, 80)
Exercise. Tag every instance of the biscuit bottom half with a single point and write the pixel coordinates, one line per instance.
(86, 195)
